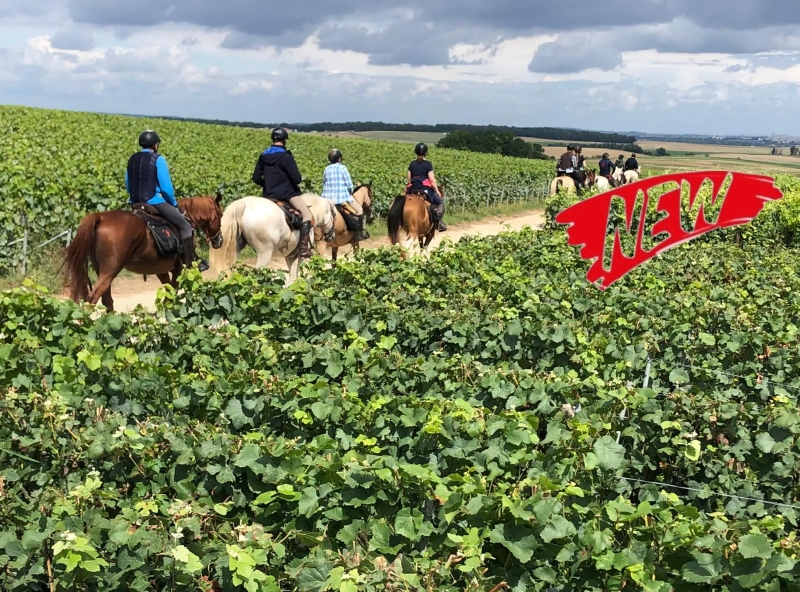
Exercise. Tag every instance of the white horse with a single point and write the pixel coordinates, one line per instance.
(632, 176)
(602, 184)
(617, 175)
(260, 223)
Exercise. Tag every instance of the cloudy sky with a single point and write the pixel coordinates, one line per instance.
(660, 66)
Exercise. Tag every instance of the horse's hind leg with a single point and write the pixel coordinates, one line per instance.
(103, 289)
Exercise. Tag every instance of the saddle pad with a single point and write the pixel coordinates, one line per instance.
(350, 220)
(165, 235)
(293, 216)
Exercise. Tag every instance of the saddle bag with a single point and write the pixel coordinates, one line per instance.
(165, 235)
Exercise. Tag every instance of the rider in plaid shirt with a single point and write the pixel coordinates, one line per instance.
(337, 186)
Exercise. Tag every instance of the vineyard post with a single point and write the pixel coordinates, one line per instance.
(645, 384)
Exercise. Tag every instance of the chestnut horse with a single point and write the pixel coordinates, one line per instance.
(363, 195)
(120, 239)
(409, 212)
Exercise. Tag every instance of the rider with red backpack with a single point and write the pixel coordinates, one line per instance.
(421, 177)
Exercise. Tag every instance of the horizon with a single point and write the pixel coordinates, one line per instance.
(672, 67)
(410, 123)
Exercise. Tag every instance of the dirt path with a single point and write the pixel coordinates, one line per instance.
(130, 292)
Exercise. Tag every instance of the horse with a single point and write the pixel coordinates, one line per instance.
(363, 195)
(617, 176)
(602, 184)
(631, 176)
(565, 182)
(410, 212)
(262, 224)
(120, 239)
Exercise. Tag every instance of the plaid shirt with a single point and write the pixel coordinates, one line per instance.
(336, 184)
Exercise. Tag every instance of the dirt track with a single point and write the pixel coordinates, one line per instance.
(130, 292)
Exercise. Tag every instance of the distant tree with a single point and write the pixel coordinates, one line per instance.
(793, 150)
(661, 152)
(774, 151)
(492, 142)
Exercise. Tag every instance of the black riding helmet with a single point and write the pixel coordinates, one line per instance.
(280, 135)
(335, 155)
(421, 149)
(148, 139)
(570, 147)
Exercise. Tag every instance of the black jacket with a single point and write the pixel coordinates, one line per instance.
(278, 175)
(631, 164)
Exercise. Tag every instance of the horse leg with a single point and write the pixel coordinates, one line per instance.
(164, 278)
(293, 263)
(102, 287)
(334, 253)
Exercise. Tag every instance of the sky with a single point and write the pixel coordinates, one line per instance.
(657, 66)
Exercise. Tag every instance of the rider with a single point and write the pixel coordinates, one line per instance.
(568, 165)
(607, 169)
(147, 180)
(632, 164)
(420, 176)
(337, 186)
(277, 173)
(620, 164)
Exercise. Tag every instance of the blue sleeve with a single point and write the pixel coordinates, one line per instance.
(165, 182)
(128, 187)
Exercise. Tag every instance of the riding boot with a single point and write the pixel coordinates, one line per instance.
(305, 247)
(363, 234)
(440, 215)
(190, 255)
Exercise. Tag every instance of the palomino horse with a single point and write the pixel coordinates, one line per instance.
(260, 223)
(363, 195)
(120, 239)
(409, 212)
(565, 182)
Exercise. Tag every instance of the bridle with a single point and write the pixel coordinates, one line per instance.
(218, 217)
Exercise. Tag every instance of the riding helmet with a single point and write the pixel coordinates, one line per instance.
(570, 147)
(421, 149)
(148, 139)
(605, 154)
(335, 155)
(279, 135)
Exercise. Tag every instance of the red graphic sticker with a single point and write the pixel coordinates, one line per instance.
(588, 220)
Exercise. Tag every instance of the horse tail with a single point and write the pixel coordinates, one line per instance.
(395, 218)
(224, 257)
(77, 258)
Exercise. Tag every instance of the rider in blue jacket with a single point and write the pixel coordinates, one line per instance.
(148, 181)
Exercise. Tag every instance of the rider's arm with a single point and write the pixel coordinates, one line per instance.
(432, 179)
(348, 181)
(290, 166)
(164, 181)
(409, 176)
(258, 173)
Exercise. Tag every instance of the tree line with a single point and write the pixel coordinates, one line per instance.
(492, 142)
(547, 133)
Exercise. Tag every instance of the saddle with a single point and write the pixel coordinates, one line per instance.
(293, 216)
(350, 220)
(165, 235)
(432, 211)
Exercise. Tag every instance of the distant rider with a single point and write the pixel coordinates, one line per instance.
(632, 164)
(277, 174)
(337, 186)
(568, 166)
(420, 176)
(620, 164)
(607, 169)
(147, 180)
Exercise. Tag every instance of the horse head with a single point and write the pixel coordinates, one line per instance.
(366, 200)
(205, 213)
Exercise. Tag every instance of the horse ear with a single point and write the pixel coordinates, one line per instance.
(219, 196)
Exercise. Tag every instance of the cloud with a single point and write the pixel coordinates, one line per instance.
(73, 39)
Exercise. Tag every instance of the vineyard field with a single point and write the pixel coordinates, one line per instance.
(62, 165)
(448, 424)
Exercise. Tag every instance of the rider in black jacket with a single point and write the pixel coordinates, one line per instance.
(277, 173)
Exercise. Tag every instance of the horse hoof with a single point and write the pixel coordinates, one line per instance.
(202, 265)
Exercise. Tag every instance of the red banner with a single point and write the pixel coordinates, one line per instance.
(588, 220)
